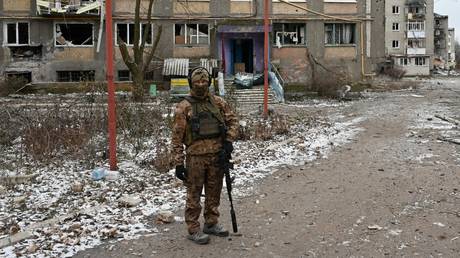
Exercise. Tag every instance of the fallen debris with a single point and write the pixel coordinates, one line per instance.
(129, 200)
(448, 119)
(17, 179)
(375, 227)
(454, 141)
(165, 217)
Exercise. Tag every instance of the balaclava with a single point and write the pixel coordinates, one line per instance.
(199, 90)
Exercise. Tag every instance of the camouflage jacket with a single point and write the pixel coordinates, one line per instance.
(182, 116)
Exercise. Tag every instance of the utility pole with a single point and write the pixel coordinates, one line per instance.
(112, 126)
(266, 28)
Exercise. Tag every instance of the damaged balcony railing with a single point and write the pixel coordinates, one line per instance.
(76, 7)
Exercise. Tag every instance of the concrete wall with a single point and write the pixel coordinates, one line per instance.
(293, 61)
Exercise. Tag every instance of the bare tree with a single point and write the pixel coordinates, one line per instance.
(142, 55)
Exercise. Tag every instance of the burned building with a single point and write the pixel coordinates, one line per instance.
(63, 40)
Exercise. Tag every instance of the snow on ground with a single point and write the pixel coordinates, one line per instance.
(87, 218)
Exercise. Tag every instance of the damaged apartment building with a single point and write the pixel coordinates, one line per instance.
(56, 41)
(409, 35)
(444, 43)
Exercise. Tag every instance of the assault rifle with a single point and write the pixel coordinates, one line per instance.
(226, 165)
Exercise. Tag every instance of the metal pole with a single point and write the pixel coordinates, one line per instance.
(266, 28)
(110, 87)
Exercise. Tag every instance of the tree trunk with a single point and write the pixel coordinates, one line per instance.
(138, 86)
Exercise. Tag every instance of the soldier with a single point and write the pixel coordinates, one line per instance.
(205, 124)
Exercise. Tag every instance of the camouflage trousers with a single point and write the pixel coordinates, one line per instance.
(202, 171)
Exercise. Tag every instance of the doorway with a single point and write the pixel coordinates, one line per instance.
(243, 59)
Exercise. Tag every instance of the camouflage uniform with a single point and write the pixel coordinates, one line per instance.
(201, 161)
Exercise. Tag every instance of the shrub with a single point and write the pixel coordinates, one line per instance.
(11, 85)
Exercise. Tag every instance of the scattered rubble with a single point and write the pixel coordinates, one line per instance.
(165, 217)
(66, 206)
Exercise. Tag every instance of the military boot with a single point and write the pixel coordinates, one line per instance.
(215, 229)
(199, 238)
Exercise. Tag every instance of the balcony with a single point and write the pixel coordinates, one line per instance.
(415, 34)
(416, 3)
(69, 7)
(416, 51)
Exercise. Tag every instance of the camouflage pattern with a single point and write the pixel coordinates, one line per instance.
(183, 114)
(203, 171)
(202, 165)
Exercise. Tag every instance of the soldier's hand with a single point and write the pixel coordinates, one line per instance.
(181, 172)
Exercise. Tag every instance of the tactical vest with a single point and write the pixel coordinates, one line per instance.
(206, 122)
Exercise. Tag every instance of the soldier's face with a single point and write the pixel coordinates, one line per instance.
(200, 87)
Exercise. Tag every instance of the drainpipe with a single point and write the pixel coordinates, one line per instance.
(266, 58)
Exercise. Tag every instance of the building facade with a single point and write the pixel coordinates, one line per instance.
(441, 41)
(409, 35)
(451, 61)
(63, 40)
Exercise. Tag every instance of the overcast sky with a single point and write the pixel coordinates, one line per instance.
(451, 8)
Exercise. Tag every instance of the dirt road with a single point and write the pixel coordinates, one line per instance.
(394, 191)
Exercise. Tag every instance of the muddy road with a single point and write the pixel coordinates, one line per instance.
(393, 191)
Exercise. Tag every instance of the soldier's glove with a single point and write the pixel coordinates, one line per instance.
(181, 172)
(228, 147)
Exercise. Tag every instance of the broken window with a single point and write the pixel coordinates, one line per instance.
(59, 7)
(125, 33)
(191, 34)
(125, 75)
(24, 76)
(74, 34)
(339, 33)
(289, 34)
(26, 52)
(17, 33)
(416, 43)
(75, 76)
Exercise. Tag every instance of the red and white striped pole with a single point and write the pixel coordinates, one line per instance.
(110, 87)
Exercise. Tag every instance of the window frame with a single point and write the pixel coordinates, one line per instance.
(127, 32)
(85, 46)
(398, 45)
(395, 9)
(393, 26)
(417, 61)
(404, 61)
(92, 77)
(283, 31)
(334, 32)
(5, 33)
(186, 36)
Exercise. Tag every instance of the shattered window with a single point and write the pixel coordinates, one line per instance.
(74, 34)
(289, 34)
(339, 33)
(124, 75)
(191, 34)
(125, 33)
(17, 33)
(75, 76)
